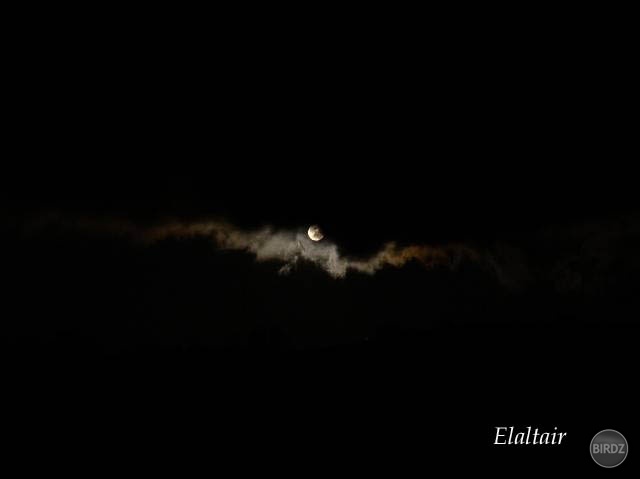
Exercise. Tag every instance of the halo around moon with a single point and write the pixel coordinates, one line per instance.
(315, 233)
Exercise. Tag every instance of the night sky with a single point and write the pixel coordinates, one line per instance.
(506, 178)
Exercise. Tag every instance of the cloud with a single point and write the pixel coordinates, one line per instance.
(593, 257)
(288, 247)
(589, 257)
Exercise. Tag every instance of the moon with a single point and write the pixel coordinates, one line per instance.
(315, 233)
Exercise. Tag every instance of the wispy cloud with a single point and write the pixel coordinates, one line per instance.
(287, 247)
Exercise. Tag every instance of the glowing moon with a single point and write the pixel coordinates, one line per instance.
(315, 233)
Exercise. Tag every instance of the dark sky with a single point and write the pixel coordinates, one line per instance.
(521, 152)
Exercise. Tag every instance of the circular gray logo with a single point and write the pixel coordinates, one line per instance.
(609, 448)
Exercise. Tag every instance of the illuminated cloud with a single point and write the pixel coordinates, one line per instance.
(288, 247)
(585, 257)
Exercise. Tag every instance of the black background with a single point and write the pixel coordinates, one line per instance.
(177, 352)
